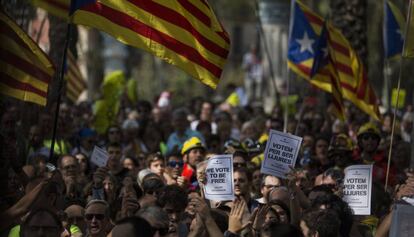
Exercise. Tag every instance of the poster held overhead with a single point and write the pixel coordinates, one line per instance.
(219, 172)
(280, 153)
(357, 188)
(99, 156)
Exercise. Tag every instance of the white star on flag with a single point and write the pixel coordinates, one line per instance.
(306, 43)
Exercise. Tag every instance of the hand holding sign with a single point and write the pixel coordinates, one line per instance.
(219, 172)
(280, 153)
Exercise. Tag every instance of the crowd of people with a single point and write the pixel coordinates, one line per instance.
(152, 184)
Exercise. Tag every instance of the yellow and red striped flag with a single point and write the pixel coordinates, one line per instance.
(185, 33)
(75, 82)
(59, 8)
(25, 70)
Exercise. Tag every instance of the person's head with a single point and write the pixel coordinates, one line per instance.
(274, 228)
(206, 111)
(110, 185)
(281, 209)
(115, 153)
(193, 151)
(176, 164)
(131, 227)
(179, 120)
(82, 162)
(97, 217)
(152, 184)
(76, 216)
(242, 179)
(407, 122)
(42, 223)
(268, 183)
(173, 200)
(257, 178)
(239, 160)
(87, 138)
(320, 223)
(321, 147)
(114, 134)
(319, 190)
(69, 166)
(130, 163)
(368, 138)
(156, 164)
(39, 163)
(333, 178)
(249, 130)
(156, 217)
(280, 194)
(36, 136)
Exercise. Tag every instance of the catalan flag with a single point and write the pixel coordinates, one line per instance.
(394, 24)
(185, 33)
(306, 28)
(75, 82)
(59, 8)
(25, 70)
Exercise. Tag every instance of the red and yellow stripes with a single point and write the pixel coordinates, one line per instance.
(25, 71)
(185, 33)
(59, 8)
(75, 82)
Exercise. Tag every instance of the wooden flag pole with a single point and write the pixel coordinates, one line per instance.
(398, 93)
(60, 85)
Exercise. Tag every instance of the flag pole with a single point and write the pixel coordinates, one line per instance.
(407, 25)
(266, 48)
(60, 85)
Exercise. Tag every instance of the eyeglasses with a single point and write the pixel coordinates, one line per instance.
(174, 163)
(97, 216)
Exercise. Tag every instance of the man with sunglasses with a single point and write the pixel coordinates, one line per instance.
(367, 152)
(97, 218)
(175, 168)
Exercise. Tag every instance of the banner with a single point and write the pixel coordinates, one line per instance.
(280, 153)
(357, 188)
(219, 172)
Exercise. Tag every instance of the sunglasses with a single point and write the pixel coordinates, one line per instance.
(174, 164)
(97, 216)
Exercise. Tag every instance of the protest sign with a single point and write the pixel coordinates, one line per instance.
(99, 157)
(219, 172)
(280, 153)
(402, 221)
(357, 188)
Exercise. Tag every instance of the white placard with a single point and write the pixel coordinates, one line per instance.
(99, 156)
(280, 153)
(357, 188)
(219, 172)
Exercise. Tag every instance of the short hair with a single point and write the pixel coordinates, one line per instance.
(60, 159)
(244, 170)
(273, 228)
(34, 213)
(324, 222)
(140, 227)
(173, 195)
(154, 157)
(101, 202)
(152, 184)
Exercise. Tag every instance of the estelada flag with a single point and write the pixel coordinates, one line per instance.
(185, 33)
(305, 31)
(25, 70)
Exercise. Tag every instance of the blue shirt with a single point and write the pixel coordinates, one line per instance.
(174, 140)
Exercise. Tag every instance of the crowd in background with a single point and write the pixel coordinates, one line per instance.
(153, 182)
